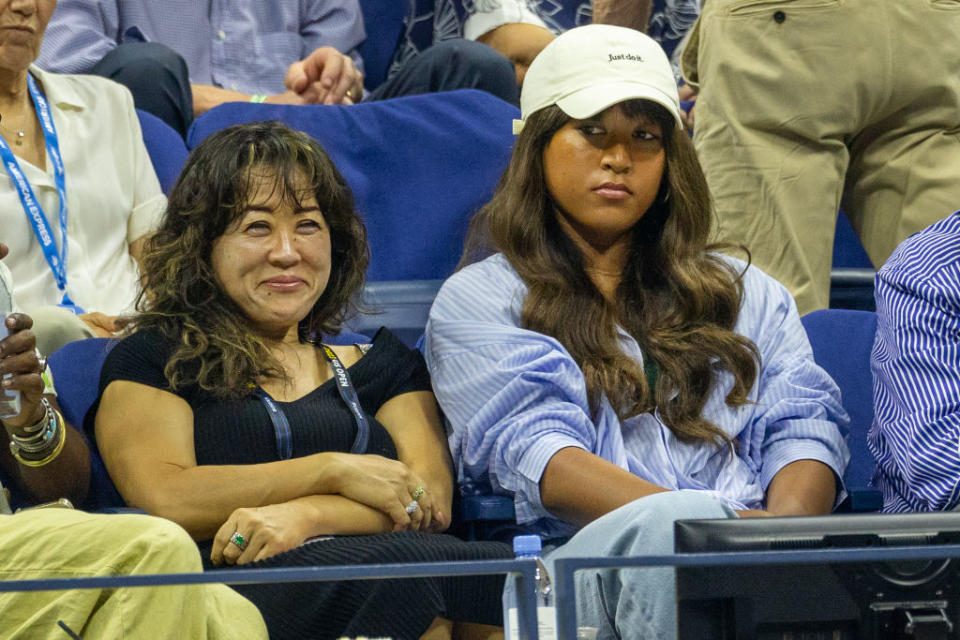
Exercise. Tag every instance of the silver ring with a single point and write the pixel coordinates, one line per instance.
(238, 539)
(413, 506)
(41, 362)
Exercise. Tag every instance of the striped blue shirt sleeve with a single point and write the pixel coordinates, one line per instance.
(336, 24)
(915, 362)
(79, 35)
(797, 412)
(514, 396)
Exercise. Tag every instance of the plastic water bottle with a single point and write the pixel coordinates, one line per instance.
(530, 547)
(9, 399)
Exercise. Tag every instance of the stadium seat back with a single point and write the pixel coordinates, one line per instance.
(383, 21)
(76, 373)
(842, 340)
(401, 306)
(168, 151)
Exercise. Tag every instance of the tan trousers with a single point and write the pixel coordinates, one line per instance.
(807, 105)
(48, 543)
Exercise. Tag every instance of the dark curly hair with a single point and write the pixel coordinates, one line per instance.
(216, 347)
(676, 297)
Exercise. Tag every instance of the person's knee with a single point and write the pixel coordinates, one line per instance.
(159, 545)
(141, 63)
(681, 505)
(475, 55)
(646, 525)
(479, 67)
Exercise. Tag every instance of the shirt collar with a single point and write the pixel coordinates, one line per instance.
(59, 94)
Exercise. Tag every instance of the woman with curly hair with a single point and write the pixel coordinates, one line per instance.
(606, 367)
(225, 413)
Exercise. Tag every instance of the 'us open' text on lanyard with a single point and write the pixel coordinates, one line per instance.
(57, 260)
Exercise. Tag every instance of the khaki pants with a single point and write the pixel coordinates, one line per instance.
(63, 543)
(807, 105)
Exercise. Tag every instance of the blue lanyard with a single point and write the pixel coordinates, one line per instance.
(281, 426)
(41, 227)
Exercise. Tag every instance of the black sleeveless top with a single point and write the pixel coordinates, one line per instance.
(240, 431)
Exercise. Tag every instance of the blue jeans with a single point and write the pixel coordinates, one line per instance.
(634, 603)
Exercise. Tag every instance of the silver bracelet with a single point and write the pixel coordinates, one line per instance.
(40, 442)
(37, 427)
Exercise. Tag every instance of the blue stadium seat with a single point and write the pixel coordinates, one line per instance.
(842, 340)
(848, 251)
(401, 306)
(419, 166)
(167, 149)
(76, 374)
(851, 276)
(383, 20)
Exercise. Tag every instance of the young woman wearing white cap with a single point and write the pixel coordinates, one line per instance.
(605, 366)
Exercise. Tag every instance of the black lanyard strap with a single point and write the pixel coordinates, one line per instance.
(349, 396)
(281, 426)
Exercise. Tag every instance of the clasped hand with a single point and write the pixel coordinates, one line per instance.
(326, 76)
(388, 486)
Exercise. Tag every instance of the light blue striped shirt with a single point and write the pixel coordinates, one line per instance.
(515, 397)
(915, 436)
(241, 45)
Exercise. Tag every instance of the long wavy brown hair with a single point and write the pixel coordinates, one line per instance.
(677, 298)
(216, 347)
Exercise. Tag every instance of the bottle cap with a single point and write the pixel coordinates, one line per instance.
(526, 545)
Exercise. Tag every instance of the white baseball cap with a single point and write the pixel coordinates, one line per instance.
(590, 68)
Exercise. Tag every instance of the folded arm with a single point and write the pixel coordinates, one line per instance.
(414, 425)
(146, 439)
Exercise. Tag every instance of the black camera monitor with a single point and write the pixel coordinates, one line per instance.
(913, 599)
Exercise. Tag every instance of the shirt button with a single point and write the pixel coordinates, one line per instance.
(222, 34)
(778, 17)
(233, 87)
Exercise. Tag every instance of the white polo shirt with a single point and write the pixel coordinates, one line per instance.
(113, 198)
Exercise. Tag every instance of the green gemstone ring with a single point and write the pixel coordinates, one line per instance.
(238, 540)
(418, 493)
